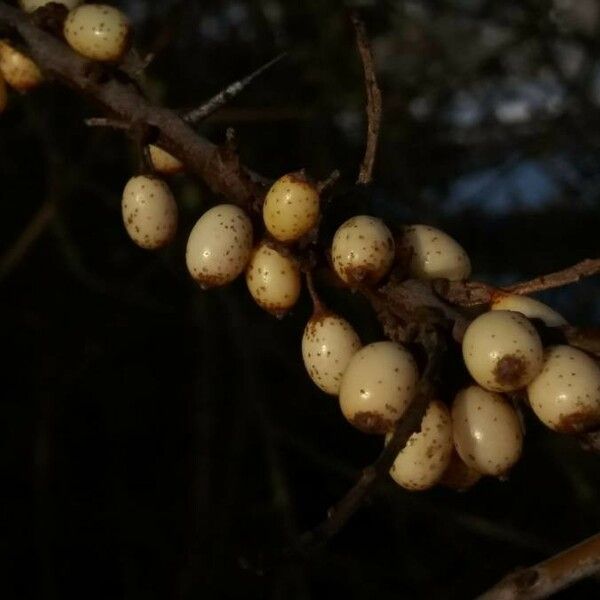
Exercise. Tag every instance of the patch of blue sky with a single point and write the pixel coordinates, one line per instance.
(517, 185)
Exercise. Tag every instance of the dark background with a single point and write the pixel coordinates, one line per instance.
(154, 437)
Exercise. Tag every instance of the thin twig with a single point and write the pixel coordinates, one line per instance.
(573, 274)
(551, 576)
(410, 422)
(231, 91)
(473, 293)
(373, 108)
(32, 232)
(314, 296)
(325, 185)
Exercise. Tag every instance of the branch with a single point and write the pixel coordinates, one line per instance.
(550, 576)
(410, 422)
(585, 268)
(223, 175)
(373, 99)
(473, 293)
(229, 93)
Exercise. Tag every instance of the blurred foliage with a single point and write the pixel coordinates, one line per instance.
(156, 436)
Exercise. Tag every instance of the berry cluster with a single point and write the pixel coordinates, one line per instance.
(479, 432)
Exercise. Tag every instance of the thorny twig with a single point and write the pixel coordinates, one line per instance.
(229, 93)
(226, 176)
(551, 576)
(373, 99)
(125, 102)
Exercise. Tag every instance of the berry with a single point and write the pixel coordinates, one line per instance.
(502, 351)
(427, 453)
(328, 344)
(163, 162)
(273, 279)
(291, 207)
(219, 246)
(487, 431)
(98, 32)
(433, 254)
(19, 71)
(565, 396)
(531, 308)
(149, 212)
(362, 250)
(458, 476)
(31, 5)
(377, 386)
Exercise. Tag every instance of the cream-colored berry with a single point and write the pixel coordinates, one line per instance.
(149, 212)
(531, 308)
(458, 475)
(3, 94)
(219, 245)
(31, 5)
(328, 344)
(379, 383)
(163, 162)
(363, 250)
(98, 32)
(19, 71)
(565, 396)
(422, 462)
(502, 351)
(273, 279)
(487, 431)
(291, 207)
(433, 254)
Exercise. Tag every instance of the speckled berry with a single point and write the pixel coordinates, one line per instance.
(458, 475)
(502, 351)
(291, 207)
(273, 279)
(487, 431)
(565, 396)
(422, 462)
(149, 212)
(31, 5)
(531, 308)
(433, 254)
(163, 162)
(378, 384)
(363, 250)
(19, 71)
(328, 344)
(98, 32)
(219, 246)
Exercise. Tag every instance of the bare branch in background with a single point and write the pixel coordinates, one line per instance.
(551, 576)
(373, 99)
(32, 232)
